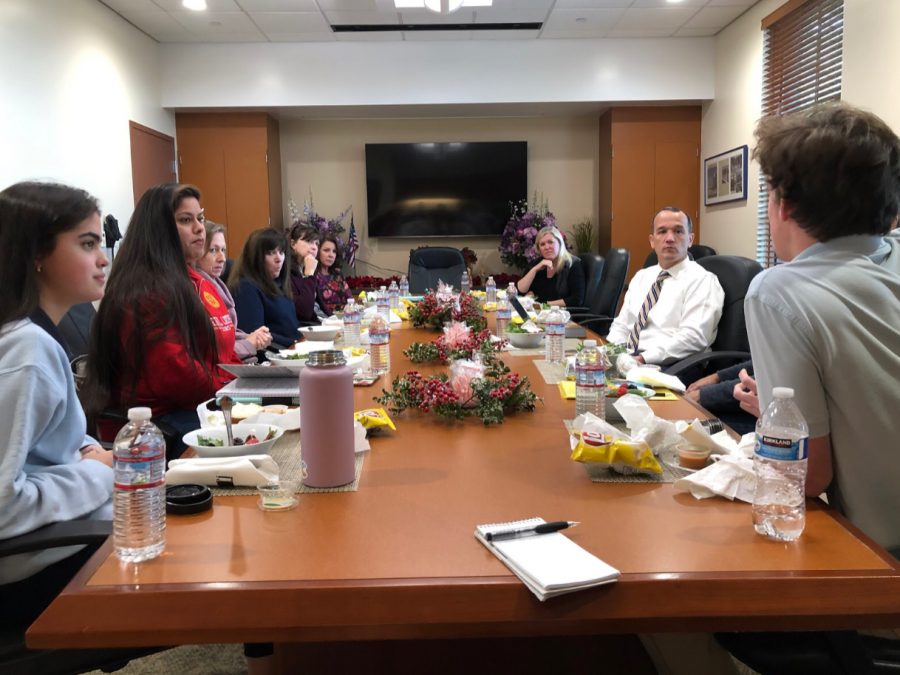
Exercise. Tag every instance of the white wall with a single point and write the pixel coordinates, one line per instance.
(392, 73)
(728, 122)
(328, 156)
(871, 52)
(73, 75)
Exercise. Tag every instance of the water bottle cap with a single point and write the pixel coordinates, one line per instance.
(383, 288)
(326, 357)
(782, 392)
(139, 414)
(590, 343)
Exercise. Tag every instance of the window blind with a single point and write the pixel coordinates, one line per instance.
(802, 54)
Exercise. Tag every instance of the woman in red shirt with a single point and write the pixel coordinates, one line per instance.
(162, 330)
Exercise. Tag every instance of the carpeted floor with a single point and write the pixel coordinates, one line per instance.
(189, 660)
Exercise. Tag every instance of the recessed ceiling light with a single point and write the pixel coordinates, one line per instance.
(673, 2)
(196, 5)
(441, 6)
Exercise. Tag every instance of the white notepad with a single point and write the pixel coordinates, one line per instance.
(548, 564)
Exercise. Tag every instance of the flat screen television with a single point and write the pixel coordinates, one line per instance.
(444, 189)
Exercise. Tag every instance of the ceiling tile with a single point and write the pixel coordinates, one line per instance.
(437, 35)
(221, 22)
(641, 33)
(592, 4)
(504, 34)
(355, 5)
(665, 4)
(654, 20)
(714, 17)
(290, 22)
(487, 15)
(322, 36)
(596, 21)
(426, 16)
(278, 5)
(159, 25)
(725, 3)
(369, 37)
(212, 6)
(132, 6)
(234, 37)
(524, 5)
(696, 32)
(362, 18)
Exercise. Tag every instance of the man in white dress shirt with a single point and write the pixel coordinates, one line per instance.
(672, 309)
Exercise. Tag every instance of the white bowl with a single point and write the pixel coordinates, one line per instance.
(240, 431)
(354, 362)
(320, 333)
(525, 340)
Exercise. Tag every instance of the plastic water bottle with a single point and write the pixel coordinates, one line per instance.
(782, 436)
(352, 319)
(464, 284)
(404, 287)
(590, 381)
(139, 489)
(555, 336)
(394, 295)
(379, 345)
(383, 304)
(490, 291)
(504, 314)
(511, 291)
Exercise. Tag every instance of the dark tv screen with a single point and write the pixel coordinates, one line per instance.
(443, 189)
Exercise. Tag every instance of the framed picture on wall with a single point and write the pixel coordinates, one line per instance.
(725, 176)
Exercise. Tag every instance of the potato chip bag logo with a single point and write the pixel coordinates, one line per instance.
(211, 300)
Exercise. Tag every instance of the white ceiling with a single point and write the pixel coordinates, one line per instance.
(311, 20)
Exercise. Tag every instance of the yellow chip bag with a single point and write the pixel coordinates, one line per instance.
(373, 418)
(619, 455)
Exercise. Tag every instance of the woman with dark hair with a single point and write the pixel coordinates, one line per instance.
(557, 278)
(261, 287)
(333, 291)
(211, 265)
(304, 262)
(50, 471)
(162, 330)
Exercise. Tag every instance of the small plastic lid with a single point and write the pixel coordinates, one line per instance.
(783, 392)
(183, 500)
(139, 414)
(590, 343)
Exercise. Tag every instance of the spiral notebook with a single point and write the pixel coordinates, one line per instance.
(548, 564)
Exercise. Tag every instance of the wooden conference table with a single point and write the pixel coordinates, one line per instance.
(397, 559)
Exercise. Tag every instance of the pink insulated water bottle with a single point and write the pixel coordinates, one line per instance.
(326, 419)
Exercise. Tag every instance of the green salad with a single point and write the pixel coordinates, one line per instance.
(210, 442)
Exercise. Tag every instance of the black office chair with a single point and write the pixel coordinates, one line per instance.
(15, 657)
(592, 265)
(731, 344)
(601, 305)
(431, 264)
(695, 252)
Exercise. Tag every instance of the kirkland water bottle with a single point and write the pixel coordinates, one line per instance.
(555, 336)
(379, 345)
(504, 314)
(352, 318)
(383, 304)
(590, 381)
(490, 291)
(139, 489)
(782, 436)
(394, 295)
(464, 284)
(404, 287)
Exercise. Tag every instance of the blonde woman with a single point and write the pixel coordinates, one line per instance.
(557, 278)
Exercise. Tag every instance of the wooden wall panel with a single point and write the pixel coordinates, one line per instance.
(604, 171)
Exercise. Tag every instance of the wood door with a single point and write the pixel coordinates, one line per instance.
(633, 194)
(246, 184)
(677, 179)
(152, 158)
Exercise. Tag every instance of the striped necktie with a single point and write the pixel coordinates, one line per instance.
(649, 301)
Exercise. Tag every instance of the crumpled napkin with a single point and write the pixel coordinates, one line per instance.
(245, 470)
(333, 321)
(654, 378)
(644, 425)
(731, 477)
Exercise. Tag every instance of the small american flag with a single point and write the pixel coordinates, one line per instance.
(352, 245)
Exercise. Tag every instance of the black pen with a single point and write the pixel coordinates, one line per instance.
(543, 528)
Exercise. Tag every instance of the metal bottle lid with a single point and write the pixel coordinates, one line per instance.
(326, 358)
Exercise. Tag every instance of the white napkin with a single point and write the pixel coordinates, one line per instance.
(245, 470)
(333, 321)
(654, 378)
(360, 442)
(659, 434)
(731, 477)
(370, 312)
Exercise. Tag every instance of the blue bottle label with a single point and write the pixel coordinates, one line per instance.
(782, 449)
(590, 377)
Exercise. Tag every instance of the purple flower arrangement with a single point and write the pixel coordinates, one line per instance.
(309, 216)
(517, 243)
